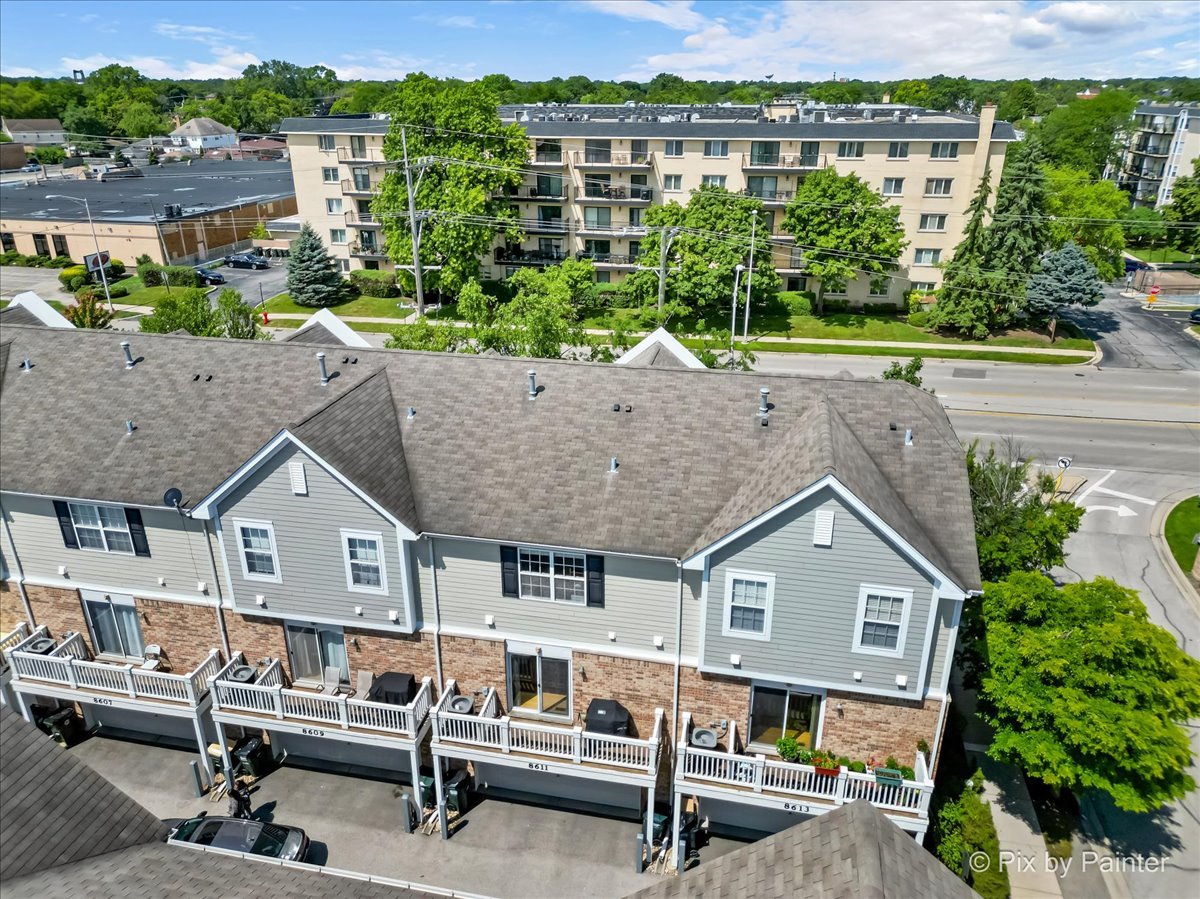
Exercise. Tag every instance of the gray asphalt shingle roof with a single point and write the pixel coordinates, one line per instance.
(317, 334)
(478, 458)
(18, 315)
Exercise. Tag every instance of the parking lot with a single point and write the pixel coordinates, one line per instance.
(502, 849)
(256, 285)
(42, 281)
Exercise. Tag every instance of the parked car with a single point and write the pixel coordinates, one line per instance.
(32, 167)
(208, 276)
(1194, 316)
(246, 260)
(242, 835)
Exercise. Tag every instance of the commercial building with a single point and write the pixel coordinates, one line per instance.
(1161, 144)
(175, 214)
(628, 570)
(594, 170)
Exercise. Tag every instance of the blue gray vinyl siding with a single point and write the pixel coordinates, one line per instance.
(641, 596)
(178, 553)
(943, 633)
(308, 539)
(815, 605)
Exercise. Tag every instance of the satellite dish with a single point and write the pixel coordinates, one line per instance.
(173, 497)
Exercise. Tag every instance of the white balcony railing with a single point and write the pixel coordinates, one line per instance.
(268, 698)
(12, 640)
(489, 729)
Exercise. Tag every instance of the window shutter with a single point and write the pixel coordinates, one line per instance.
(595, 582)
(65, 525)
(298, 478)
(137, 532)
(823, 528)
(508, 571)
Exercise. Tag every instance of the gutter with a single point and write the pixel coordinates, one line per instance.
(437, 620)
(20, 576)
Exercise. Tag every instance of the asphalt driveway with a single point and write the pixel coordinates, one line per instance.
(42, 281)
(256, 285)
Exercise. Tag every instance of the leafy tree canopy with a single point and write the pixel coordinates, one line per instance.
(909, 372)
(1083, 134)
(1145, 226)
(1185, 207)
(187, 309)
(89, 311)
(1088, 213)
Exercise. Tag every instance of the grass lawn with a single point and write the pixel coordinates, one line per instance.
(145, 296)
(1182, 525)
(1163, 254)
(933, 352)
(369, 307)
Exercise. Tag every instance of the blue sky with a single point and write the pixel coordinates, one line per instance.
(535, 39)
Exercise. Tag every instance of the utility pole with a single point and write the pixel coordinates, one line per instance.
(162, 242)
(737, 276)
(412, 224)
(664, 247)
(749, 278)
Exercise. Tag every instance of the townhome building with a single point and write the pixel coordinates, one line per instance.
(610, 585)
(594, 170)
(1161, 143)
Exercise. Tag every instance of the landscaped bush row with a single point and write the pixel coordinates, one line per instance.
(73, 277)
(963, 827)
(374, 284)
(12, 257)
(153, 275)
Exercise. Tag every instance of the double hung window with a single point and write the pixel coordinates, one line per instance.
(102, 528)
(748, 604)
(882, 620)
(257, 550)
(546, 574)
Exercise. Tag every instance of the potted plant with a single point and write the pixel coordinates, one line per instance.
(825, 762)
(789, 749)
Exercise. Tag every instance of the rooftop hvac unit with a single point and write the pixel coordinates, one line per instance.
(173, 210)
(242, 674)
(463, 705)
(703, 738)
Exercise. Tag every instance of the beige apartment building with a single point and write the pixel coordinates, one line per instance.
(594, 170)
(1161, 145)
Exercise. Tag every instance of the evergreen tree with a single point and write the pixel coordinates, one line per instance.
(1185, 207)
(312, 278)
(1067, 277)
(1018, 233)
(966, 300)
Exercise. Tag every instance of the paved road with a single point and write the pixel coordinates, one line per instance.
(42, 281)
(256, 284)
(1131, 337)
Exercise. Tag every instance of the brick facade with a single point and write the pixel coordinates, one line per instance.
(474, 664)
(59, 609)
(714, 697)
(877, 727)
(380, 652)
(12, 612)
(256, 637)
(185, 631)
(640, 686)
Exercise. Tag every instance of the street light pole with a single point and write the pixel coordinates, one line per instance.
(665, 239)
(749, 277)
(95, 240)
(737, 277)
(413, 225)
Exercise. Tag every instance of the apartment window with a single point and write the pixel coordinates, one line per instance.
(748, 604)
(548, 151)
(60, 245)
(603, 277)
(597, 249)
(635, 218)
(764, 152)
(326, 142)
(549, 186)
(539, 684)
(672, 182)
(776, 712)
(337, 235)
(550, 247)
(595, 150)
(597, 217)
(879, 287)
(363, 554)
(329, 175)
(103, 528)
(358, 147)
(550, 215)
(40, 247)
(938, 187)
(810, 153)
(944, 150)
(716, 148)
(893, 187)
(932, 222)
(713, 180)
(635, 248)
(8, 243)
(763, 186)
(257, 550)
(114, 624)
(639, 151)
(672, 148)
(312, 648)
(597, 185)
(557, 576)
(835, 288)
(898, 149)
(766, 221)
(344, 265)
(882, 620)
(924, 286)
(850, 149)
(927, 257)
(333, 206)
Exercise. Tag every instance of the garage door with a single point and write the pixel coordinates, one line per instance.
(744, 820)
(541, 785)
(166, 729)
(343, 756)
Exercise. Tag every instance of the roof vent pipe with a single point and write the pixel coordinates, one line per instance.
(533, 389)
(27, 365)
(128, 353)
(613, 465)
(412, 412)
(908, 437)
(130, 427)
(763, 405)
(324, 371)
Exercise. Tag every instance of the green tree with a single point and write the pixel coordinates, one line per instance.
(969, 298)
(1185, 207)
(312, 278)
(1084, 133)
(473, 158)
(1088, 213)
(1084, 692)
(140, 119)
(953, 94)
(1067, 278)
(909, 372)
(364, 96)
(1144, 226)
(187, 310)
(89, 311)
(260, 232)
(1018, 233)
(49, 155)
(1019, 102)
(264, 110)
(237, 318)
(914, 93)
(434, 337)
(1019, 524)
(844, 227)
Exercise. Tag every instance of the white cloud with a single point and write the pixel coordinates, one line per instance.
(376, 65)
(677, 14)
(1090, 18)
(462, 22)
(224, 65)
(203, 34)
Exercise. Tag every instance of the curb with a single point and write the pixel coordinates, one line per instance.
(1158, 525)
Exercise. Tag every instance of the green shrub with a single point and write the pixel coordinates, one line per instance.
(116, 291)
(144, 259)
(789, 749)
(37, 261)
(501, 291)
(834, 306)
(77, 282)
(918, 319)
(858, 767)
(62, 262)
(10, 257)
(150, 274)
(116, 268)
(91, 292)
(880, 308)
(374, 283)
(797, 302)
(914, 300)
(181, 276)
(67, 275)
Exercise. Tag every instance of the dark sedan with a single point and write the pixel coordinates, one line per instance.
(246, 260)
(208, 276)
(1194, 315)
(241, 835)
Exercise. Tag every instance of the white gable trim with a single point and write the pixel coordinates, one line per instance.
(944, 583)
(660, 337)
(207, 507)
(45, 313)
(336, 327)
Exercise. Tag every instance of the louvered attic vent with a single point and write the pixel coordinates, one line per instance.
(299, 481)
(823, 528)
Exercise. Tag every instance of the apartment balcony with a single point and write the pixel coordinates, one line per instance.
(360, 187)
(268, 703)
(368, 251)
(596, 159)
(486, 735)
(363, 220)
(776, 198)
(617, 196)
(1158, 150)
(528, 257)
(609, 261)
(543, 226)
(10, 641)
(783, 163)
(362, 156)
(547, 160)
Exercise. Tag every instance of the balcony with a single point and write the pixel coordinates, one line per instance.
(770, 197)
(362, 156)
(360, 220)
(598, 159)
(10, 641)
(785, 163)
(367, 251)
(505, 256)
(547, 160)
(1153, 150)
(525, 193)
(609, 260)
(619, 196)
(543, 226)
(360, 187)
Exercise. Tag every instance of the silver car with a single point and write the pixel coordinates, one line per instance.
(243, 835)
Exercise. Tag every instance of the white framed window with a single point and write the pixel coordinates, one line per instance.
(327, 143)
(893, 187)
(932, 222)
(938, 187)
(850, 149)
(778, 711)
(337, 235)
(924, 286)
(101, 528)
(552, 575)
(672, 182)
(314, 647)
(926, 256)
(712, 180)
(748, 597)
(835, 289)
(898, 149)
(539, 680)
(257, 550)
(344, 264)
(365, 568)
(114, 623)
(882, 620)
(716, 148)
(329, 175)
(944, 150)
(333, 206)
(673, 148)
(880, 287)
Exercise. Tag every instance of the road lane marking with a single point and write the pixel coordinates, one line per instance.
(1122, 511)
(1085, 493)
(1129, 496)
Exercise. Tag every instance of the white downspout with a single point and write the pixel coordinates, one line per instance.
(220, 610)
(678, 657)
(20, 575)
(437, 620)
